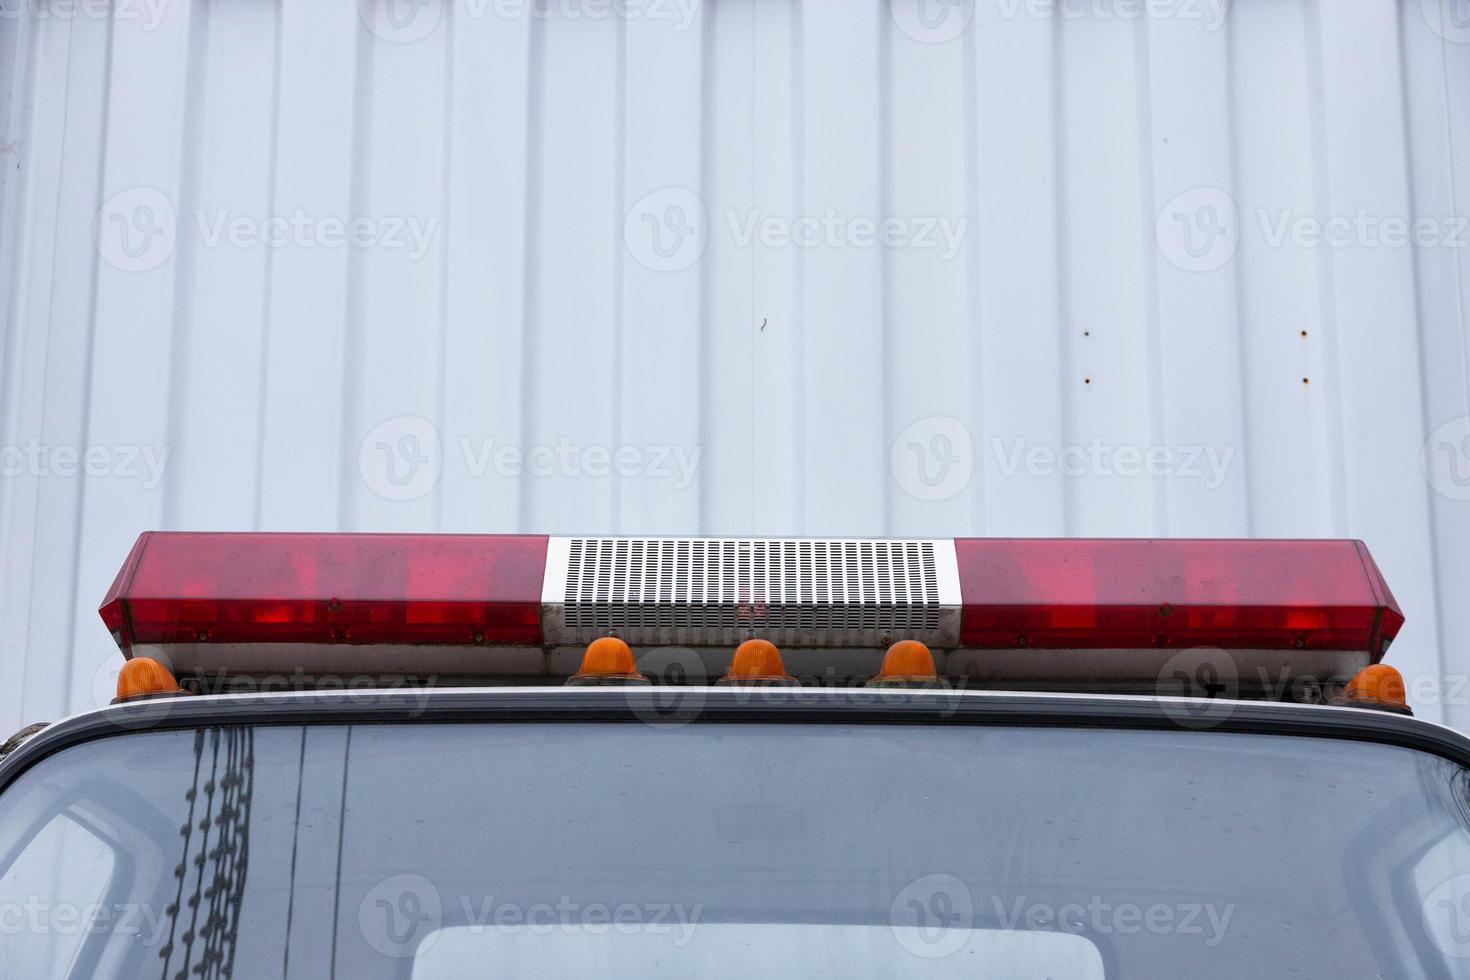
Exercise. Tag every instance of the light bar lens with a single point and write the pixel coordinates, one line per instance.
(1122, 593)
(329, 588)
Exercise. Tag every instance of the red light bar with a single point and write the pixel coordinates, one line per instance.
(1116, 593)
(329, 588)
(990, 609)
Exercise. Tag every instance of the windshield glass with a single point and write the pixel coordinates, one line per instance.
(451, 850)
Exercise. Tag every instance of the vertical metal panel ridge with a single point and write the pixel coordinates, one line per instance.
(191, 147)
(799, 454)
(352, 339)
(619, 260)
(1195, 375)
(54, 693)
(1019, 334)
(446, 221)
(1431, 516)
(1237, 278)
(1158, 490)
(263, 385)
(1322, 196)
(14, 179)
(708, 176)
(17, 498)
(15, 53)
(886, 34)
(974, 259)
(1067, 362)
(531, 312)
(1427, 79)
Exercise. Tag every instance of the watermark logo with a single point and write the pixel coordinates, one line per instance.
(1205, 680)
(399, 916)
(932, 21)
(400, 21)
(932, 916)
(147, 13)
(407, 21)
(1209, 464)
(679, 14)
(1210, 14)
(33, 458)
(1100, 917)
(1446, 912)
(1362, 229)
(655, 461)
(135, 229)
(144, 924)
(667, 230)
(1198, 230)
(677, 696)
(401, 458)
(941, 234)
(1450, 19)
(412, 234)
(1446, 459)
(933, 458)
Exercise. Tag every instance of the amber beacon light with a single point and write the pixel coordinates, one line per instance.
(757, 663)
(608, 662)
(144, 677)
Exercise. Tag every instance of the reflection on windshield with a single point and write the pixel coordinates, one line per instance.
(204, 917)
(420, 851)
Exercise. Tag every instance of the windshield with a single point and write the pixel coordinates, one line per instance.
(597, 849)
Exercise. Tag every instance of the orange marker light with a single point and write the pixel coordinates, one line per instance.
(757, 663)
(608, 662)
(908, 663)
(1376, 686)
(144, 677)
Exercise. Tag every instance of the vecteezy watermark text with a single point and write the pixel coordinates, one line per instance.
(137, 230)
(1100, 917)
(37, 459)
(410, 233)
(1362, 228)
(668, 229)
(1211, 464)
(1210, 14)
(147, 13)
(407, 21)
(40, 916)
(941, 234)
(401, 915)
(566, 458)
(1200, 229)
(403, 458)
(932, 916)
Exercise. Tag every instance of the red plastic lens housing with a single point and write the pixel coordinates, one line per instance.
(329, 588)
(1127, 593)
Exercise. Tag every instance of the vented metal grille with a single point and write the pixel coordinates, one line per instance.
(706, 590)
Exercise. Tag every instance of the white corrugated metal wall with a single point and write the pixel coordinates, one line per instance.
(1003, 267)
